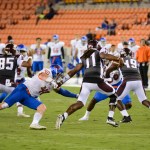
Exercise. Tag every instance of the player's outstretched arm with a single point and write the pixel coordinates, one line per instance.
(72, 72)
(61, 80)
(111, 57)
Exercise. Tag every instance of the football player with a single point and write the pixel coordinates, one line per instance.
(73, 44)
(115, 81)
(19, 76)
(103, 43)
(133, 47)
(56, 51)
(81, 46)
(8, 64)
(131, 82)
(92, 61)
(120, 45)
(37, 51)
(27, 92)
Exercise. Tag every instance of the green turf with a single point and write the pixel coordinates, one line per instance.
(94, 134)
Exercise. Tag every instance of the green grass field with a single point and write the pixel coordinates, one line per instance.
(94, 134)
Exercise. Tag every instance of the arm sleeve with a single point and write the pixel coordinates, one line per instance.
(49, 53)
(63, 53)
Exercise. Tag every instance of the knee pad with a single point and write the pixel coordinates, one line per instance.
(112, 99)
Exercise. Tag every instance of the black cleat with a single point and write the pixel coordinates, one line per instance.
(126, 119)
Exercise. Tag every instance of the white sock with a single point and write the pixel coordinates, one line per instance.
(36, 118)
(4, 105)
(111, 114)
(124, 113)
(20, 109)
(87, 113)
(65, 115)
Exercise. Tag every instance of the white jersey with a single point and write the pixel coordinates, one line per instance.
(55, 48)
(115, 53)
(104, 50)
(120, 46)
(20, 73)
(37, 86)
(38, 55)
(107, 46)
(73, 46)
(134, 50)
(2, 46)
(81, 48)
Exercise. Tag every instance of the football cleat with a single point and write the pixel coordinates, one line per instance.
(84, 118)
(59, 121)
(37, 127)
(111, 122)
(126, 119)
(23, 115)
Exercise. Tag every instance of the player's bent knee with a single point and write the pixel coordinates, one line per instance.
(112, 99)
(41, 108)
(128, 106)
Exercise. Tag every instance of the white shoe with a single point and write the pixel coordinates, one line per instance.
(59, 121)
(37, 127)
(84, 118)
(111, 122)
(23, 115)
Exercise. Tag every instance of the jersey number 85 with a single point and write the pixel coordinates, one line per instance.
(6, 63)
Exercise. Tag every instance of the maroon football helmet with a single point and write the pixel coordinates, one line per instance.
(126, 52)
(10, 49)
(92, 44)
